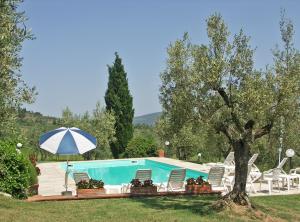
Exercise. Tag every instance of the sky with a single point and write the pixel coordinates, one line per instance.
(76, 40)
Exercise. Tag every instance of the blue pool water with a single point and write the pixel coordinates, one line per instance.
(116, 172)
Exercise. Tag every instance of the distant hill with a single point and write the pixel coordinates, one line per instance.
(28, 120)
(148, 119)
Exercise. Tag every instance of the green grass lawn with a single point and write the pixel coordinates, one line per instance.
(188, 209)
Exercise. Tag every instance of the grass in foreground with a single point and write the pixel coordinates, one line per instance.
(194, 208)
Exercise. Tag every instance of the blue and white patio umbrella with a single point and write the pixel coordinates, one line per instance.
(67, 141)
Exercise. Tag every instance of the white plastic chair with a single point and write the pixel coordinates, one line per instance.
(292, 176)
(274, 178)
(295, 173)
(285, 177)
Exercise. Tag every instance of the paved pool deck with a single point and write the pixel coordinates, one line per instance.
(52, 178)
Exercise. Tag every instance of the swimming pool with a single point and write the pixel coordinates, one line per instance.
(116, 172)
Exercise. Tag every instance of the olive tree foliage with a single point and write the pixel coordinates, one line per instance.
(13, 90)
(286, 80)
(216, 85)
(287, 67)
(177, 123)
(100, 124)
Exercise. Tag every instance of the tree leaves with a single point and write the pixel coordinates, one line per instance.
(216, 84)
(13, 90)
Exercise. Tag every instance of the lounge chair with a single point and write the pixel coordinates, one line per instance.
(215, 178)
(253, 159)
(229, 161)
(81, 176)
(141, 175)
(175, 182)
(279, 166)
(254, 173)
(282, 163)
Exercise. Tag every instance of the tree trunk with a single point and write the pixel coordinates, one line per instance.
(241, 157)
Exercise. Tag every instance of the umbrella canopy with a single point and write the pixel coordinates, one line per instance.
(67, 141)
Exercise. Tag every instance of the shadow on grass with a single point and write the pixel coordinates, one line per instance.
(200, 205)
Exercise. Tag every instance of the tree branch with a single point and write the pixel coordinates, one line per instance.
(263, 131)
(225, 130)
(229, 104)
(224, 96)
(237, 122)
(247, 135)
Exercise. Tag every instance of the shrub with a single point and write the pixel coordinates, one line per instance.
(141, 146)
(14, 170)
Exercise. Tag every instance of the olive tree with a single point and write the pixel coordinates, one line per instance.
(221, 88)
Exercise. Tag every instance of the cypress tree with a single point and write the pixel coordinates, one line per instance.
(119, 100)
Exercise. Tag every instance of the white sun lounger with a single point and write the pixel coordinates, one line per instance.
(175, 182)
(229, 161)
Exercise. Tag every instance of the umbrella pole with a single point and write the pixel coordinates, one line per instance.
(67, 174)
(67, 193)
